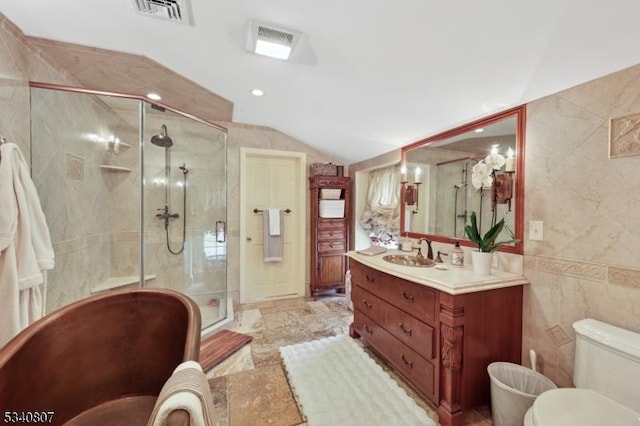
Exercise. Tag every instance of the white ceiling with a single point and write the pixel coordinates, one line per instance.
(369, 75)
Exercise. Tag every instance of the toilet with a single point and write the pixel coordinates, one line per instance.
(606, 373)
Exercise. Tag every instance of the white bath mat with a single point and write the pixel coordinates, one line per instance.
(337, 383)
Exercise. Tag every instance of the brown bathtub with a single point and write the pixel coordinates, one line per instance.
(99, 361)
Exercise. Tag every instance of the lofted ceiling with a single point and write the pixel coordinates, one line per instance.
(368, 76)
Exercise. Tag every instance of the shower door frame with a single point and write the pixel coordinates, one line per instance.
(141, 116)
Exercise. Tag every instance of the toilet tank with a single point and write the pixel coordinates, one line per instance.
(607, 361)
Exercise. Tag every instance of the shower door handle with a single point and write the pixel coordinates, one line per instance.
(221, 231)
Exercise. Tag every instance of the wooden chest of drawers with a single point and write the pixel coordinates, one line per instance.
(440, 343)
(329, 236)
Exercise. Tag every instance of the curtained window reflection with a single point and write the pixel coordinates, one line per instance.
(381, 217)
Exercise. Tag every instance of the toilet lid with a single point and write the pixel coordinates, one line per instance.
(583, 407)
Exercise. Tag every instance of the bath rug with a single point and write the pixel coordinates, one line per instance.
(337, 383)
(215, 349)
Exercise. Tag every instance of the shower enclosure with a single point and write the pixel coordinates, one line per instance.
(134, 195)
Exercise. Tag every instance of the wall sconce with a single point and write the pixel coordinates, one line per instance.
(410, 192)
(411, 195)
(502, 190)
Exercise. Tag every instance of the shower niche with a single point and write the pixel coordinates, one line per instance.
(138, 213)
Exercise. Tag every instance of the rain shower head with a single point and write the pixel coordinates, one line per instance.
(163, 140)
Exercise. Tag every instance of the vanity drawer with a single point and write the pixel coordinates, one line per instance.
(412, 332)
(368, 278)
(417, 370)
(415, 299)
(324, 223)
(367, 303)
(331, 246)
(331, 234)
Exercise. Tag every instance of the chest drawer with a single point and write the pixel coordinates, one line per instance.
(324, 223)
(417, 370)
(331, 234)
(412, 332)
(331, 247)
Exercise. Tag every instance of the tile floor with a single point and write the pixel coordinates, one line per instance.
(250, 387)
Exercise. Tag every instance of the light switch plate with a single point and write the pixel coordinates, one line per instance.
(535, 230)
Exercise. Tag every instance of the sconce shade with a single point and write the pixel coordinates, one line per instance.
(410, 195)
(502, 189)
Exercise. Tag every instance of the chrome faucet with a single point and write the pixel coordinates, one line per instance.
(429, 252)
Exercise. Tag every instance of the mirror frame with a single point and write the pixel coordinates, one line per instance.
(520, 114)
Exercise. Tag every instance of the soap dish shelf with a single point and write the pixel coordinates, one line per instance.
(111, 168)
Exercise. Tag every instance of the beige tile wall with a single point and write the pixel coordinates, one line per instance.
(588, 264)
(81, 201)
(14, 88)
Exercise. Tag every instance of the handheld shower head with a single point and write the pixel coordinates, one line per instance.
(162, 140)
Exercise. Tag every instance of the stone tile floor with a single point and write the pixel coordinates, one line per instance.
(250, 387)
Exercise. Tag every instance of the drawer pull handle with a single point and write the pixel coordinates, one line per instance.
(331, 233)
(405, 330)
(406, 362)
(331, 245)
(368, 329)
(367, 304)
(406, 297)
(368, 278)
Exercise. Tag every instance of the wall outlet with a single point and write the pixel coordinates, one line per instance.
(535, 230)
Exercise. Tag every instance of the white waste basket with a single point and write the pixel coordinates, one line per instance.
(513, 390)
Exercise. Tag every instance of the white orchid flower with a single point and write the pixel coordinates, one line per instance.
(481, 175)
(495, 161)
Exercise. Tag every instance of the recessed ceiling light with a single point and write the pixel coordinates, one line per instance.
(479, 130)
(257, 92)
(273, 50)
(154, 96)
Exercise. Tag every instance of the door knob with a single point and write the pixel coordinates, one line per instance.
(248, 238)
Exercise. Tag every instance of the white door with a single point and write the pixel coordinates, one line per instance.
(271, 179)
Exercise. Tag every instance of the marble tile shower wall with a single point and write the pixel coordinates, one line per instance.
(588, 264)
(14, 86)
(202, 149)
(82, 201)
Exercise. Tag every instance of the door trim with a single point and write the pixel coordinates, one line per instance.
(300, 233)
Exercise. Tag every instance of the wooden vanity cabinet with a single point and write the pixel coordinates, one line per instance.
(440, 343)
(329, 235)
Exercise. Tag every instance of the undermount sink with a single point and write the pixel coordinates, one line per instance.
(406, 260)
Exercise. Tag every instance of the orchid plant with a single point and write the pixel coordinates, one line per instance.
(482, 173)
(482, 176)
(487, 242)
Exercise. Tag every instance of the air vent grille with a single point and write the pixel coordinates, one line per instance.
(275, 36)
(171, 10)
(271, 40)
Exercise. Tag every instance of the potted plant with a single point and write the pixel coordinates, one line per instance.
(486, 244)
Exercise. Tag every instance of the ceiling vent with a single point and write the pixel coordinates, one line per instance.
(271, 40)
(170, 10)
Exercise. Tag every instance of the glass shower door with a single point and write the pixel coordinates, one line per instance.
(184, 198)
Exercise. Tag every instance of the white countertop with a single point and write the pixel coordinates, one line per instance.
(453, 280)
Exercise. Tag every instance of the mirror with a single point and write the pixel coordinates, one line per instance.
(438, 189)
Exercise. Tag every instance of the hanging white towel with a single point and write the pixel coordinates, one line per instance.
(25, 246)
(187, 389)
(274, 221)
(273, 244)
